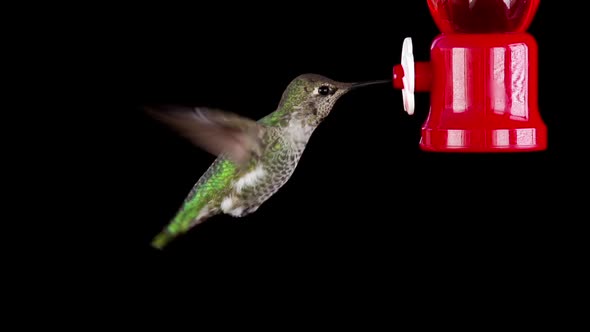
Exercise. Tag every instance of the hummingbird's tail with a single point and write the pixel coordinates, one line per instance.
(181, 224)
(200, 204)
(166, 236)
(162, 239)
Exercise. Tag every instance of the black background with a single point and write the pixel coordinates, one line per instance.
(365, 208)
(363, 191)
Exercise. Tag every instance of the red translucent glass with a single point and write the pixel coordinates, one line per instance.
(482, 16)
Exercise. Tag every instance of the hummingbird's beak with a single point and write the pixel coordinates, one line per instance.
(361, 84)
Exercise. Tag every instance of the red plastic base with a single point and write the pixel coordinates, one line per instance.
(483, 94)
(484, 140)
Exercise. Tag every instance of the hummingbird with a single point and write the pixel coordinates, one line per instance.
(254, 158)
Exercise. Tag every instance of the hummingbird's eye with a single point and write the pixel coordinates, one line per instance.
(324, 90)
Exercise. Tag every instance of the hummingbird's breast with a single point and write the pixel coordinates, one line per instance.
(284, 147)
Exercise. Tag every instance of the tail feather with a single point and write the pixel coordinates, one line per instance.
(173, 231)
(162, 239)
(199, 204)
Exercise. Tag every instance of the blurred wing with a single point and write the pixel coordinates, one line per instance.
(215, 131)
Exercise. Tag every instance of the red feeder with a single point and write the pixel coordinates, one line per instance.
(482, 77)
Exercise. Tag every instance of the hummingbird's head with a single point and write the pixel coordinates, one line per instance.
(312, 96)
